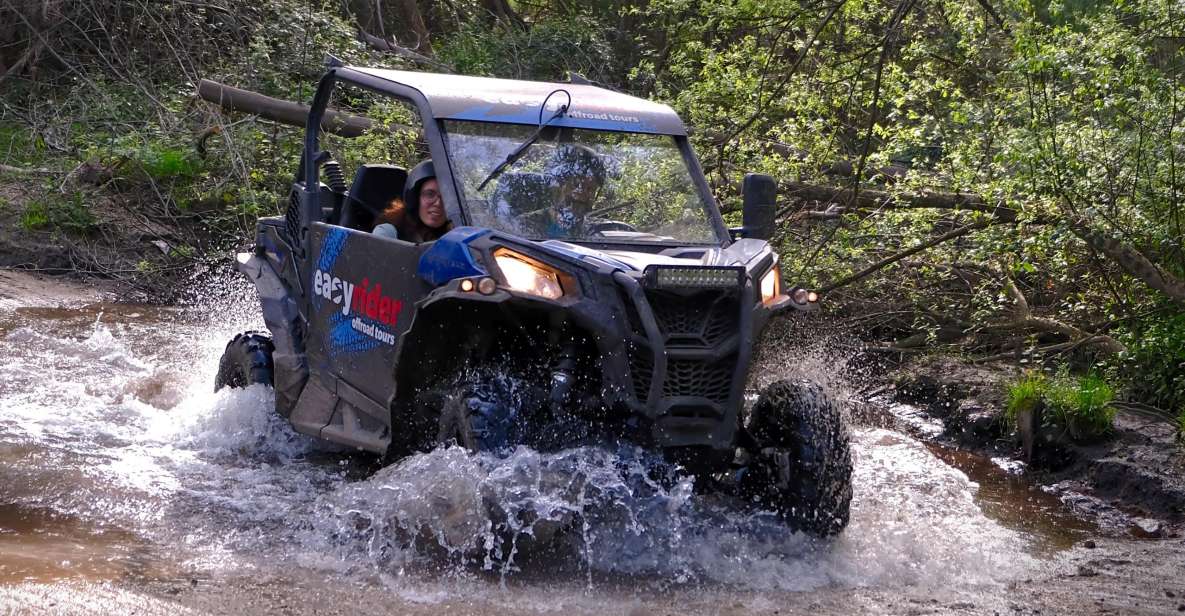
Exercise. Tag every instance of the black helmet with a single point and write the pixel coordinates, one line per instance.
(411, 189)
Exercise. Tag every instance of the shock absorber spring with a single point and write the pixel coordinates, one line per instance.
(334, 177)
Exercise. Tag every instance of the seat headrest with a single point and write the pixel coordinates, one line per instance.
(375, 185)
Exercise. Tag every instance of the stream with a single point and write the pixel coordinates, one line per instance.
(118, 463)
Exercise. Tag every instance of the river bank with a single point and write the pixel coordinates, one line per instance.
(1130, 482)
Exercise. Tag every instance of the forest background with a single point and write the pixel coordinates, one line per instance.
(993, 179)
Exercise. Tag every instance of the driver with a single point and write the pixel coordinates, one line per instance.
(577, 175)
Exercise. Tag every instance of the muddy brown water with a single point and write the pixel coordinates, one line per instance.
(119, 464)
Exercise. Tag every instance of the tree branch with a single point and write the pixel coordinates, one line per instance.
(1023, 318)
(879, 199)
(961, 231)
(382, 44)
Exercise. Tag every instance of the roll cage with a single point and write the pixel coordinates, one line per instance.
(308, 192)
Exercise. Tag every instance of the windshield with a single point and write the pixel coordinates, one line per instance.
(578, 184)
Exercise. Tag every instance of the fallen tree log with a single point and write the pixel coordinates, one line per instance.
(843, 199)
(1131, 260)
(25, 170)
(285, 112)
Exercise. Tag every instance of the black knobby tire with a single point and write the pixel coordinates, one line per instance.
(476, 420)
(803, 467)
(485, 412)
(247, 360)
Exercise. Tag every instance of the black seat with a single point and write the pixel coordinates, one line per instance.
(373, 189)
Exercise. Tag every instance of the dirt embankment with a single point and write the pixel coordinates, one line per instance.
(1132, 482)
(124, 242)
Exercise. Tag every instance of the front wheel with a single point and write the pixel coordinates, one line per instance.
(802, 468)
(247, 360)
(487, 411)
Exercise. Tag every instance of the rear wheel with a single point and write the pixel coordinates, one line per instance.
(247, 360)
(802, 468)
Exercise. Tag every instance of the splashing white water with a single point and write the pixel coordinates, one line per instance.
(114, 420)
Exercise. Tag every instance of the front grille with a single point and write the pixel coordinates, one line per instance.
(686, 377)
(641, 370)
(701, 319)
(691, 325)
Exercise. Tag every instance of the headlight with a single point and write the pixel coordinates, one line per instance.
(771, 284)
(525, 275)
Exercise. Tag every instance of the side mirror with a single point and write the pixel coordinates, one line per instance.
(760, 206)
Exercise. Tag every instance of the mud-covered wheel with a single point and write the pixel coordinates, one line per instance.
(478, 415)
(486, 412)
(802, 468)
(247, 360)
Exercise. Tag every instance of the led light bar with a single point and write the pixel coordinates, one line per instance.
(682, 277)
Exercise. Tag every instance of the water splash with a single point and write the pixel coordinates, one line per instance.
(914, 521)
(112, 419)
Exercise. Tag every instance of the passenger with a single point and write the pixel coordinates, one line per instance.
(578, 174)
(425, 220)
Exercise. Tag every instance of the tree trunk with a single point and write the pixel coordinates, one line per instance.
(1131, 261)
(413, 32)
(501, 11)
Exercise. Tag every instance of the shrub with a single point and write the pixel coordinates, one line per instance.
(1079, 408)
(1025, 394)
(68, 214)
(1153, 368)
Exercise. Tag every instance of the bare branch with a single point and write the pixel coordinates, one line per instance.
(382, 44)
(887, 261)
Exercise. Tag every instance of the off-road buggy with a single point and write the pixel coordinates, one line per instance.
(636, 323)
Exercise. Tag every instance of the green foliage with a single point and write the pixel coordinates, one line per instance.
(1079, 407)
(68, 214)
(18, 146)
(1025, 394)
(1075, 110)
(1153, 368)
(546, 51)
(165, 163)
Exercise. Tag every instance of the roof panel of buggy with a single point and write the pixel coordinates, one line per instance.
(460, 97)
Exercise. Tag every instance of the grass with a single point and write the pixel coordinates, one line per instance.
(69, 214)
(1025, 394)
(1079, 407)
(1082, 406)
(163, 163)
